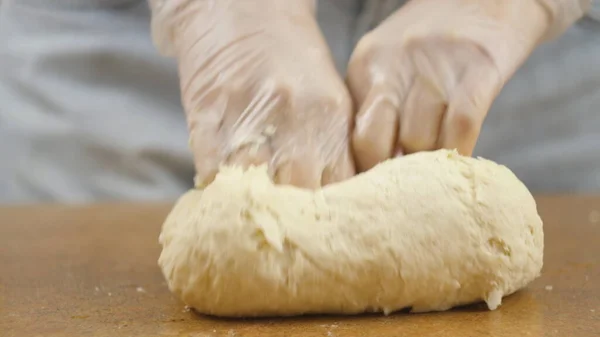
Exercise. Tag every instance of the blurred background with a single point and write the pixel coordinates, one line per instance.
(89, 111)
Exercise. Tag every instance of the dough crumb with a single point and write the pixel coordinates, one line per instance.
(270, 130)
(140, 290)
(329, 325)
(549, 287)
(494, 299)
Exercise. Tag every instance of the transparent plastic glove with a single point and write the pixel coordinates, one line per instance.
(426, 77)
(259, 86)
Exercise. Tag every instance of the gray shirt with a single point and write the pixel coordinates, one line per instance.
(89, 111)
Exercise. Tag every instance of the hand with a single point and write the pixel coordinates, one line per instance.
(259, 86)
(426, 77)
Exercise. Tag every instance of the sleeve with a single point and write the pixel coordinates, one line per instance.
(563, 13)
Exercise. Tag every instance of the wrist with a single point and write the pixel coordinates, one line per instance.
(516, 28)
(561, 14)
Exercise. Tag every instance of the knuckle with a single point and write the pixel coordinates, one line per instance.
(322, 97)
(366, 51)
(325, 104)
(371, 63)
(463, 121)
(337, 104)
(276, 89)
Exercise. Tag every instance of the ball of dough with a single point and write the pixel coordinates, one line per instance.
(429, 231)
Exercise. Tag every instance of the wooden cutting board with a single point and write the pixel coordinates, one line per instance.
(92, 271)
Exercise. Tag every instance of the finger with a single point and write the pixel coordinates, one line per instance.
(205, 139)
(340, 170)
(376, 127)
(205, 148)
(205, 175)
(421, 117)
(468, 108)
(300, 172)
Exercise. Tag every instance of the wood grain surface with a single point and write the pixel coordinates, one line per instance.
(92, 271)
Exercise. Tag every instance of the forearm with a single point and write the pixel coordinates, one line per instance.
(169, 16)
(164, 16)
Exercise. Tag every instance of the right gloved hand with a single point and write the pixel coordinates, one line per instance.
(258, 86)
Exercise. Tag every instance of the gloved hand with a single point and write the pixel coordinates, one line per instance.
(426, 77)
(258, 86)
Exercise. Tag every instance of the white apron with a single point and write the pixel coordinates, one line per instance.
(89, 111)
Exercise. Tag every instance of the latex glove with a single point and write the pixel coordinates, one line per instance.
(426, 77)
(258, 86)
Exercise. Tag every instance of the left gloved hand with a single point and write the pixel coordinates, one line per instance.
(259, 86)
(426, 77)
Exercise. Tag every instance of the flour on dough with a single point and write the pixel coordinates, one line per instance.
(428, 231)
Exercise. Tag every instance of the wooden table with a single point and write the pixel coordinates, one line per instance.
(91, 271)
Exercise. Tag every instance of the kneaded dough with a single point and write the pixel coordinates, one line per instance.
(429, 231)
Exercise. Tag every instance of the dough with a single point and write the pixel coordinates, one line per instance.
(429, 231)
